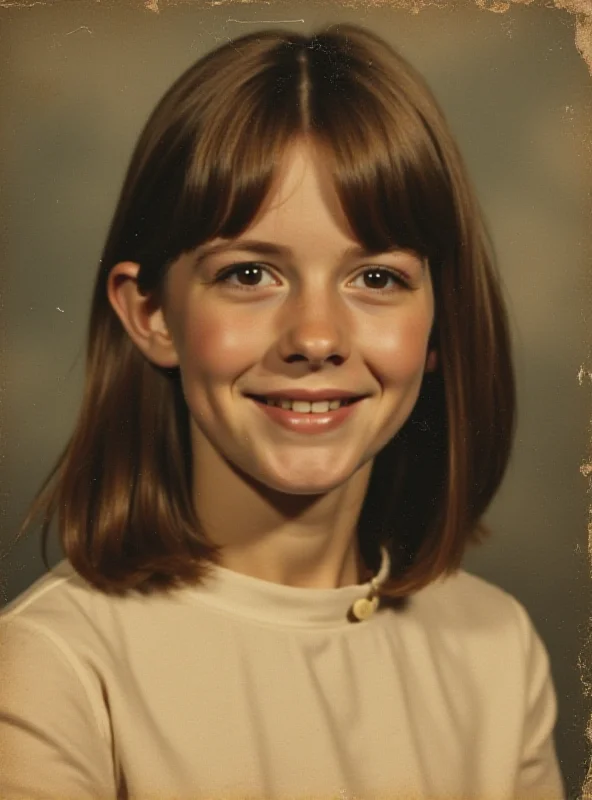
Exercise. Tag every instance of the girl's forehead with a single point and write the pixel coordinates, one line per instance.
(302, 193)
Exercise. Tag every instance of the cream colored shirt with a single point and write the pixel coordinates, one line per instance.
(242, 688)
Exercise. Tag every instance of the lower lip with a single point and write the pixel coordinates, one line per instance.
(308, 423)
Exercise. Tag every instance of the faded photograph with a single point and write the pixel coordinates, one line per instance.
(305, 345)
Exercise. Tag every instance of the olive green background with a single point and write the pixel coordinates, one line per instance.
(77, 80)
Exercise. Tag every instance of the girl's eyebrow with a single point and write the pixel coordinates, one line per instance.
(249, 245)
(270, 248)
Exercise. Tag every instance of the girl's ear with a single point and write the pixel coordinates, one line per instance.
(431, 361)
(140, 315)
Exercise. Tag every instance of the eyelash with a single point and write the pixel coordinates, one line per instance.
(227, 272)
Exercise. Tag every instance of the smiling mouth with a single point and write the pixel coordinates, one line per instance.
(304, 406)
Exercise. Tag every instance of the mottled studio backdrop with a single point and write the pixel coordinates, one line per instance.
(77, 80)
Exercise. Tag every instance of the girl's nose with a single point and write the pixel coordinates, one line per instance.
(316, 330)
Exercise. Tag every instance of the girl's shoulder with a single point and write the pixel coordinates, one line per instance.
(63, 607)
(60, 590)
(465, 595)
(463, 607)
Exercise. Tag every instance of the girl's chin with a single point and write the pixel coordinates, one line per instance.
(309, 483)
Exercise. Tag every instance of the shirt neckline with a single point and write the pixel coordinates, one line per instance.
(277, 604)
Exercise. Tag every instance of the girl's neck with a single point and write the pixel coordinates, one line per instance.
(294, 565)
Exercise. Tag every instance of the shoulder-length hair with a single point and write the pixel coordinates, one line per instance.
(203, 165)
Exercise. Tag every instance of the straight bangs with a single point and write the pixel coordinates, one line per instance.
(389, 174)
(217, 161)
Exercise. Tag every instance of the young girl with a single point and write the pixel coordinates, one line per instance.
(299, 403)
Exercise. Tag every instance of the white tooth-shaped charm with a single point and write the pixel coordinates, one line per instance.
(365, 607)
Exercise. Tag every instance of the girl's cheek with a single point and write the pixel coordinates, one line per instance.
(400, 349)
(218, 342)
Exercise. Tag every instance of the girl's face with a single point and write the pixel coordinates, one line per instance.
(293, 304)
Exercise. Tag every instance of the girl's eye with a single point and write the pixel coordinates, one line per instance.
(251, 271)
(249, 276)
(375, 278)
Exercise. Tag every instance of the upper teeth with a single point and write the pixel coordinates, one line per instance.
(304, 406)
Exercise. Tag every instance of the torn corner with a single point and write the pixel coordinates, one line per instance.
(584, 38)
(497, 6)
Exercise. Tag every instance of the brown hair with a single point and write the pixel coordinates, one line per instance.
(201, 169)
